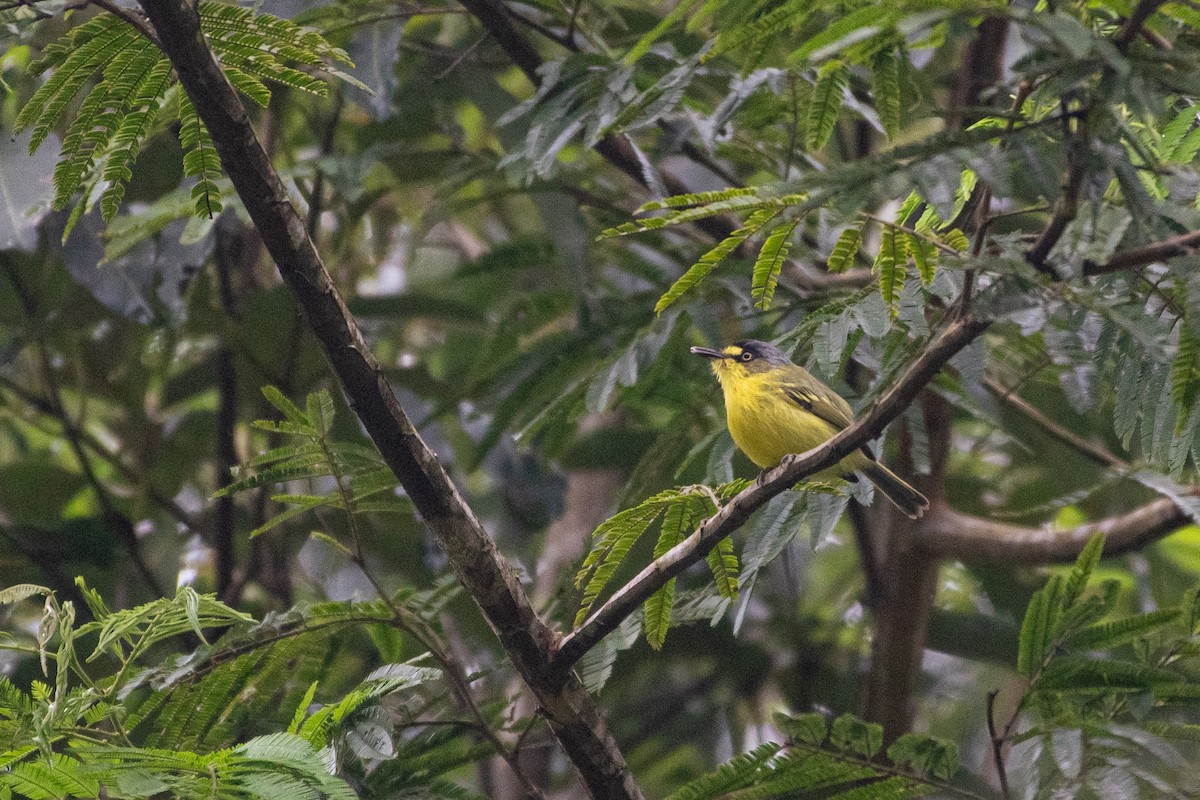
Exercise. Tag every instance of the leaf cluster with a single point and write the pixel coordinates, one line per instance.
(128, 93)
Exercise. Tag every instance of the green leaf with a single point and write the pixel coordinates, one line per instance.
(321, 410)
(295, 511)
(956, 239)
(76, 57)
(677, 523)
(738, 773)
(741, 201)
(713, 258)
(891, 264)
(614, 539)
(926, 755)
(248, 85)
(770, 263)
(200, 160)
(847, 30)
(885, 86)
(846, 249)
(925, 255)
(1085, 675)
(290, 410)
(22, 591)
(1081, 573)
(744, 37)
(1177, 694)
(97, 119)
(825, 104)
(127, 141)
(1039, 627)
(854, 735)
(1107, 635)
(1185, 370)
(696, 199)
(1174, 131)
(724, 565)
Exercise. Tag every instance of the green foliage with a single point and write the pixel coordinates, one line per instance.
(840, 766)
(200, 160)
(130, 82)
(362, 481)
(713, 258)
(458, 211)
(847, 247)
(184, 726)
(771, 259)
(1086, 669)
(826, 104)
(683, 509)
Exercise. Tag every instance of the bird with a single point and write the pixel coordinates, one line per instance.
(774, 407)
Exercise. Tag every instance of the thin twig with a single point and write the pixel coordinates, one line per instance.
(1067, 205)
(997, 744)
(933, 240)
(1060, 432)
(570, 34)
(462, 57)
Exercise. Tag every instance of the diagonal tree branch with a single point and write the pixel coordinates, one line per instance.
(929, 361)
(572, 713)
(1057, 430)
(1137, 20)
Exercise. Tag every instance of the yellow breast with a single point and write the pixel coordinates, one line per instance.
(767, 426)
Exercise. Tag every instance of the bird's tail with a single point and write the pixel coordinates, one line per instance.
(905, 497)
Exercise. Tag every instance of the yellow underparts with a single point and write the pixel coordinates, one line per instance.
(767, 425)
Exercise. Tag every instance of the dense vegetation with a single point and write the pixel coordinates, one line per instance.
(350, 445)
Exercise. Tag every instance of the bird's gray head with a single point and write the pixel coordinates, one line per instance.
(763, 351)
(747, 357)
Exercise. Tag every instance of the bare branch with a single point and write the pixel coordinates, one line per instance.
(1064, 210)
(1181, 245)
(955, 336)
(573, 714)
(997, 744)
(950, 534)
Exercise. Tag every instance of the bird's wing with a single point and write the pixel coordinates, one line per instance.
(826, 404)
(815, 402)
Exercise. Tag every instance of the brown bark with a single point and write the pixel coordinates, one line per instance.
(909, 589)
(950, 534)
(487, 576)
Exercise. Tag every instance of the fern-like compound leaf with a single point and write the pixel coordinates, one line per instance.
(200, 160)
(845, 249)
(127, 142)
(770, 263)
(713, 258)
(885, 87)
(826, 104)
(93, 46)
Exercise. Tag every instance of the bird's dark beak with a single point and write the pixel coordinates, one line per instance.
(707, 352)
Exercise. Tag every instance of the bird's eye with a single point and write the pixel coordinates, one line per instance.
(747, 356)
